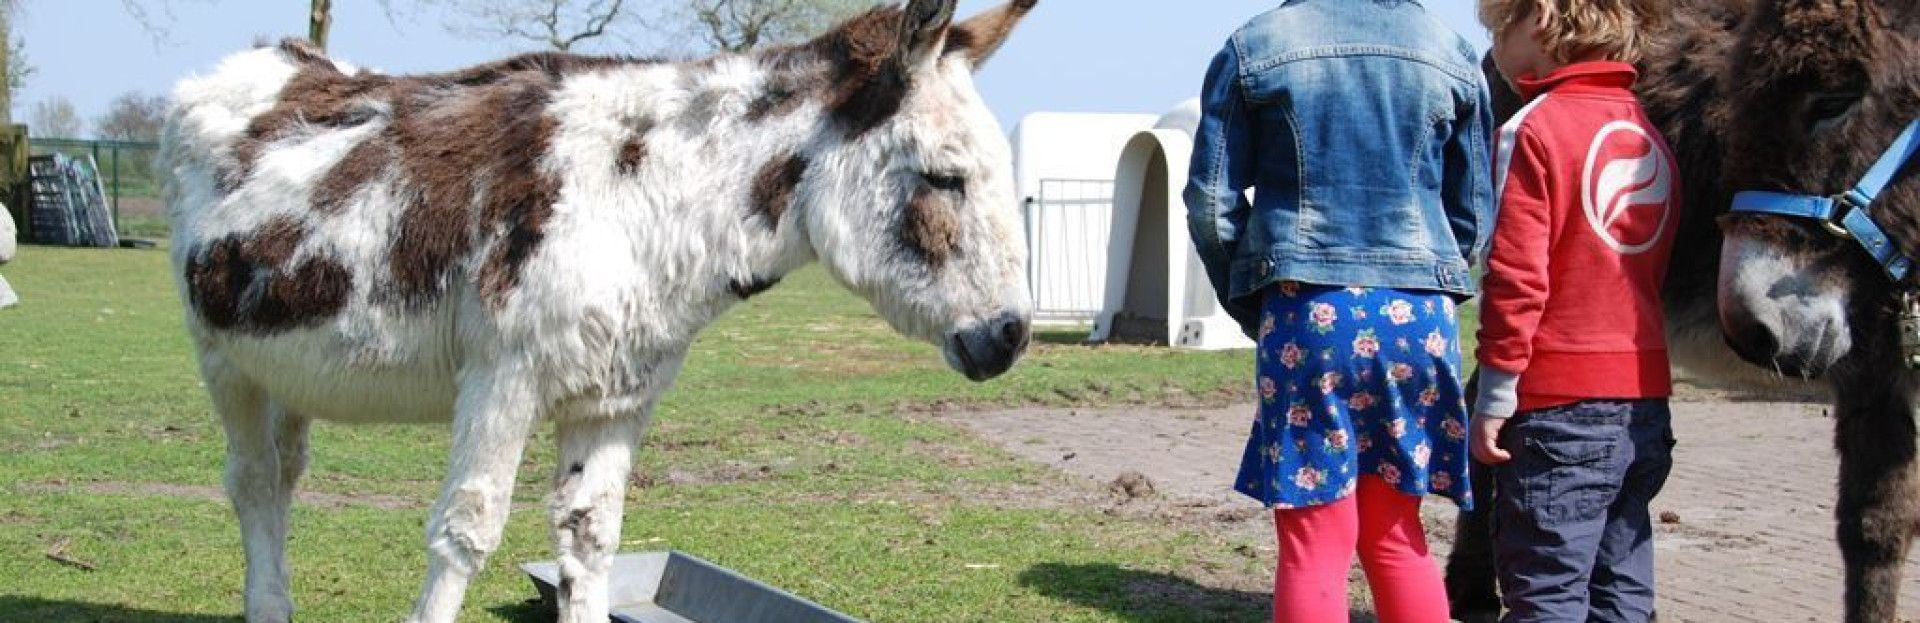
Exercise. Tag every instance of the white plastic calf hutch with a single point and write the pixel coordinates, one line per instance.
(1157, 291)
(1107, 228)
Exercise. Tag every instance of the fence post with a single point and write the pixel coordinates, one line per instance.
(116, 189)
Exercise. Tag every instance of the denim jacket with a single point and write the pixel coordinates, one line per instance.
(1362, 126)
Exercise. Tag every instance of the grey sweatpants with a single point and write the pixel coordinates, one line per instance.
(1572, 534)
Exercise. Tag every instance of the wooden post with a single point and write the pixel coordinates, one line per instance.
(319, 22)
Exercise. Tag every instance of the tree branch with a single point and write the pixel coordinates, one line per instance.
(718, 25)
(551, 21)
(596, 25)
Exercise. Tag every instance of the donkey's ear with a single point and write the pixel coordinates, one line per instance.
(982, 35)
(923, 28)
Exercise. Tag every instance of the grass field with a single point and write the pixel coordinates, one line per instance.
(801, 447)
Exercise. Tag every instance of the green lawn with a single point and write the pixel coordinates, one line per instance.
(152, 226)
(799, 448)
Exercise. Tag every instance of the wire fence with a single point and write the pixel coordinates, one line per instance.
(126, 176)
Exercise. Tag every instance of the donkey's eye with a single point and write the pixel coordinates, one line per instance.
(946, 181)
(1825, 107)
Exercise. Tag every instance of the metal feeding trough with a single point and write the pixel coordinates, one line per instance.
(671, 587)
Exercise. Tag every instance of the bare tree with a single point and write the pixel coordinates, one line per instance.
(56, 118)
(555, 24)
(675, 25)
(155, 16)
(741, 25)
(13, 61)
(18, 69)
(132, 117)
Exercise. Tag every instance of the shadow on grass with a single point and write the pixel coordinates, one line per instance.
(1062, 336)
(18, 608)
(1152, 597)
(1144, 596)
(529, 611)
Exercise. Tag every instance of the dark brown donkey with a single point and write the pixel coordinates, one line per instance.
(1796, 96)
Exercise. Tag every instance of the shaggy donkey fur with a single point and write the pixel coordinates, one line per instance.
(541, 238)
(1816, 91)
(1800, 96)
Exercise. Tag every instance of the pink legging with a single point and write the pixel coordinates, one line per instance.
(1316, 550)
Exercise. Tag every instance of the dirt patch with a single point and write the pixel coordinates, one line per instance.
(1188, 454)
(1174, 466)
(1745, 523)
(17, 518)
(947, 454)
(1131, 485)
(720, 474)
(1170, 466)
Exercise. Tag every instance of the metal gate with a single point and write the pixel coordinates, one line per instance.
(1068, 224)
(127, 179)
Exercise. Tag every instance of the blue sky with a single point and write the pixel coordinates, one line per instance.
(1071, 55)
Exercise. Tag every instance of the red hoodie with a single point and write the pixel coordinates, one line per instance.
(1589, 201)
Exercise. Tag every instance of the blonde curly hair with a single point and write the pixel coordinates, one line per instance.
(1577, 30)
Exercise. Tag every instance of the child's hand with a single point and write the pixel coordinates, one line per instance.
(1485, 441)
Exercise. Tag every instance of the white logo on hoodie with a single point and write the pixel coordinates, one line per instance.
(1627, 188)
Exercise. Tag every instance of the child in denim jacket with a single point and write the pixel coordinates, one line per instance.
(1573, 359)
(1362, 128)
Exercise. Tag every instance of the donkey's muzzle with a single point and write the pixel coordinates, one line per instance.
(1778, 313)
(990, 348)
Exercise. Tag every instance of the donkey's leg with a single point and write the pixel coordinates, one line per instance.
(290, 440)
(491, 419)
(1472, 591)
(253, 481)
(590, 486)
(1877, 510)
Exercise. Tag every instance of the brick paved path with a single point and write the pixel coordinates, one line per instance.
(1753, 484)
(1752, 487)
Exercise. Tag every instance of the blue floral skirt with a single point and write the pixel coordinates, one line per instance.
(1356, 381)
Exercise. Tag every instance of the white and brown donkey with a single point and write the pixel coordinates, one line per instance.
(542, 237)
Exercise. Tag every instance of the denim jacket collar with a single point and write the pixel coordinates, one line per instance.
(1591, 77)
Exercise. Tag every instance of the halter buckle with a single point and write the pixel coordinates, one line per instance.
(1843, 204)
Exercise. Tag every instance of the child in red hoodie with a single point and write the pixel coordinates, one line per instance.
(1573, 359)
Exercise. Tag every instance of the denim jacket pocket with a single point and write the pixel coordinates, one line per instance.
(1568, 479)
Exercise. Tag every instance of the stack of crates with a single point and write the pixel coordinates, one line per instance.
(69, 206)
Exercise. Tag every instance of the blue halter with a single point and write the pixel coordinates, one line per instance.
(1846, 214)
